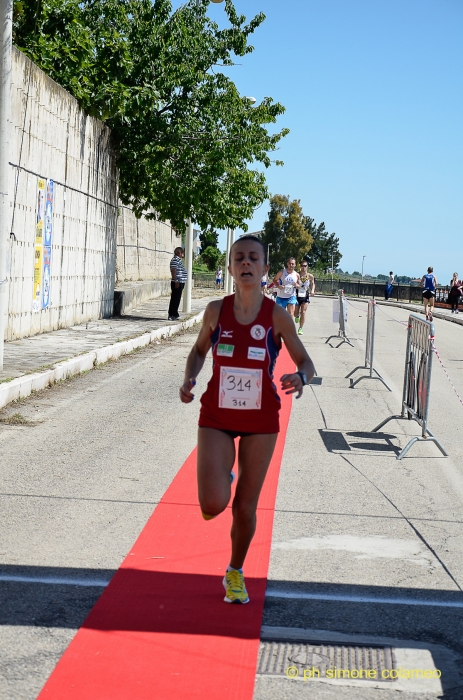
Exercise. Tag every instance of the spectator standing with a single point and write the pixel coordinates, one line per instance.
(429, 282)
(218, 277)
(388, 290)
(455, 292)
(179, 277)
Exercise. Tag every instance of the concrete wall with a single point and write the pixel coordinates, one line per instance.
(52, 139)
(144, 248)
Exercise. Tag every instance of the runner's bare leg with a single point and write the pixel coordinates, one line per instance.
(302, 310)
(254, 455)
(216, 456)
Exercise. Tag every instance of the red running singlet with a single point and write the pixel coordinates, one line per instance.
(241, 395)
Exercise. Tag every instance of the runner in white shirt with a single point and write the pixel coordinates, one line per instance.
(306, 288)
(287, 282)
(263, 284)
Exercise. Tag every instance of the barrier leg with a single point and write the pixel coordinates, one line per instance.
(386, 421)
(354, 370)
(344, 339)
(381, 379)
(407, 447)
(352, 383)
(422, 439)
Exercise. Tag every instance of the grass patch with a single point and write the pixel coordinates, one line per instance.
(15, 419)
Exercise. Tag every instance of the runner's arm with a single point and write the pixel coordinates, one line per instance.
(286, 330)
(195, 360)
(312, 282)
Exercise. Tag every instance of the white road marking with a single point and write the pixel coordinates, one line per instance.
(295, 595)
(56, 581)
(378, 547)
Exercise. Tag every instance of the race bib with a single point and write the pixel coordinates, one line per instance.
(302, 292)
(289, 288)
(240, 389)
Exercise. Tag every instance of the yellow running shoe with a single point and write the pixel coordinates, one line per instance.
(235, 588)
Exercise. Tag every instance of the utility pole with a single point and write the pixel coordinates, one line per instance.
(363, 260)
(188, 267)
(6, 17)
(230, 278)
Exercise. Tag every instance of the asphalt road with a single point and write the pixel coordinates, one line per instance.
(83, 471)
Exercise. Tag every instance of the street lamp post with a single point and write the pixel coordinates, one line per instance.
(230, 278)
(188, 267)
(363, 260)
(6, 17)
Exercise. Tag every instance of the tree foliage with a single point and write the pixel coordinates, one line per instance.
(186, 139)
(324, 253)
(285, 232)
(209, 238)
(212, 257)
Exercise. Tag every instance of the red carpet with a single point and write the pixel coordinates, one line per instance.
(161, 628)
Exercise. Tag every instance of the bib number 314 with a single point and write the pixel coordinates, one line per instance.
(240, 389)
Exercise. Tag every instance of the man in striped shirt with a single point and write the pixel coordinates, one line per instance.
(179, 277)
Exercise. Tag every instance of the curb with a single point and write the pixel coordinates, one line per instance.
(24, 386)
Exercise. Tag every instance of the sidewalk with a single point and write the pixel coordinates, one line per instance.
(33, 363)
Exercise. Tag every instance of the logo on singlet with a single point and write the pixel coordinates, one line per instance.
(256, 354)
(225, 350)
(257, 332)
(226, 334)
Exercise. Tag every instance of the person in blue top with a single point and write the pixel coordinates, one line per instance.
(429, 282)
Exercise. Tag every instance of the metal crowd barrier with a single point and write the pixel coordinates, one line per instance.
(417, 381)
(340, 316)
(369, 349)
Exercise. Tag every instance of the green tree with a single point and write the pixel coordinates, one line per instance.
(186, 139)
(403, 279)
(285, 232)
(212, 257)
(324, 253)
(209, 238)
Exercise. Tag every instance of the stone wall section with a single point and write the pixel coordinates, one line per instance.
(144, 247)
(93, 235)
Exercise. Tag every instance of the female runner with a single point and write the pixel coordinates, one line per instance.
(245, 331)
(306, 288)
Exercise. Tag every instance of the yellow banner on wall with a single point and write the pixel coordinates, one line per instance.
(38, 266)
(38, 259)
(40, 214)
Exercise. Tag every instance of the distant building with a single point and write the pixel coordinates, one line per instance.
(196, 241)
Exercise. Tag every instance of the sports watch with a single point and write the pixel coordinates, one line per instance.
(303, 378)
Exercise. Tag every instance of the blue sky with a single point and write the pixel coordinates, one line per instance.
(374, 101)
